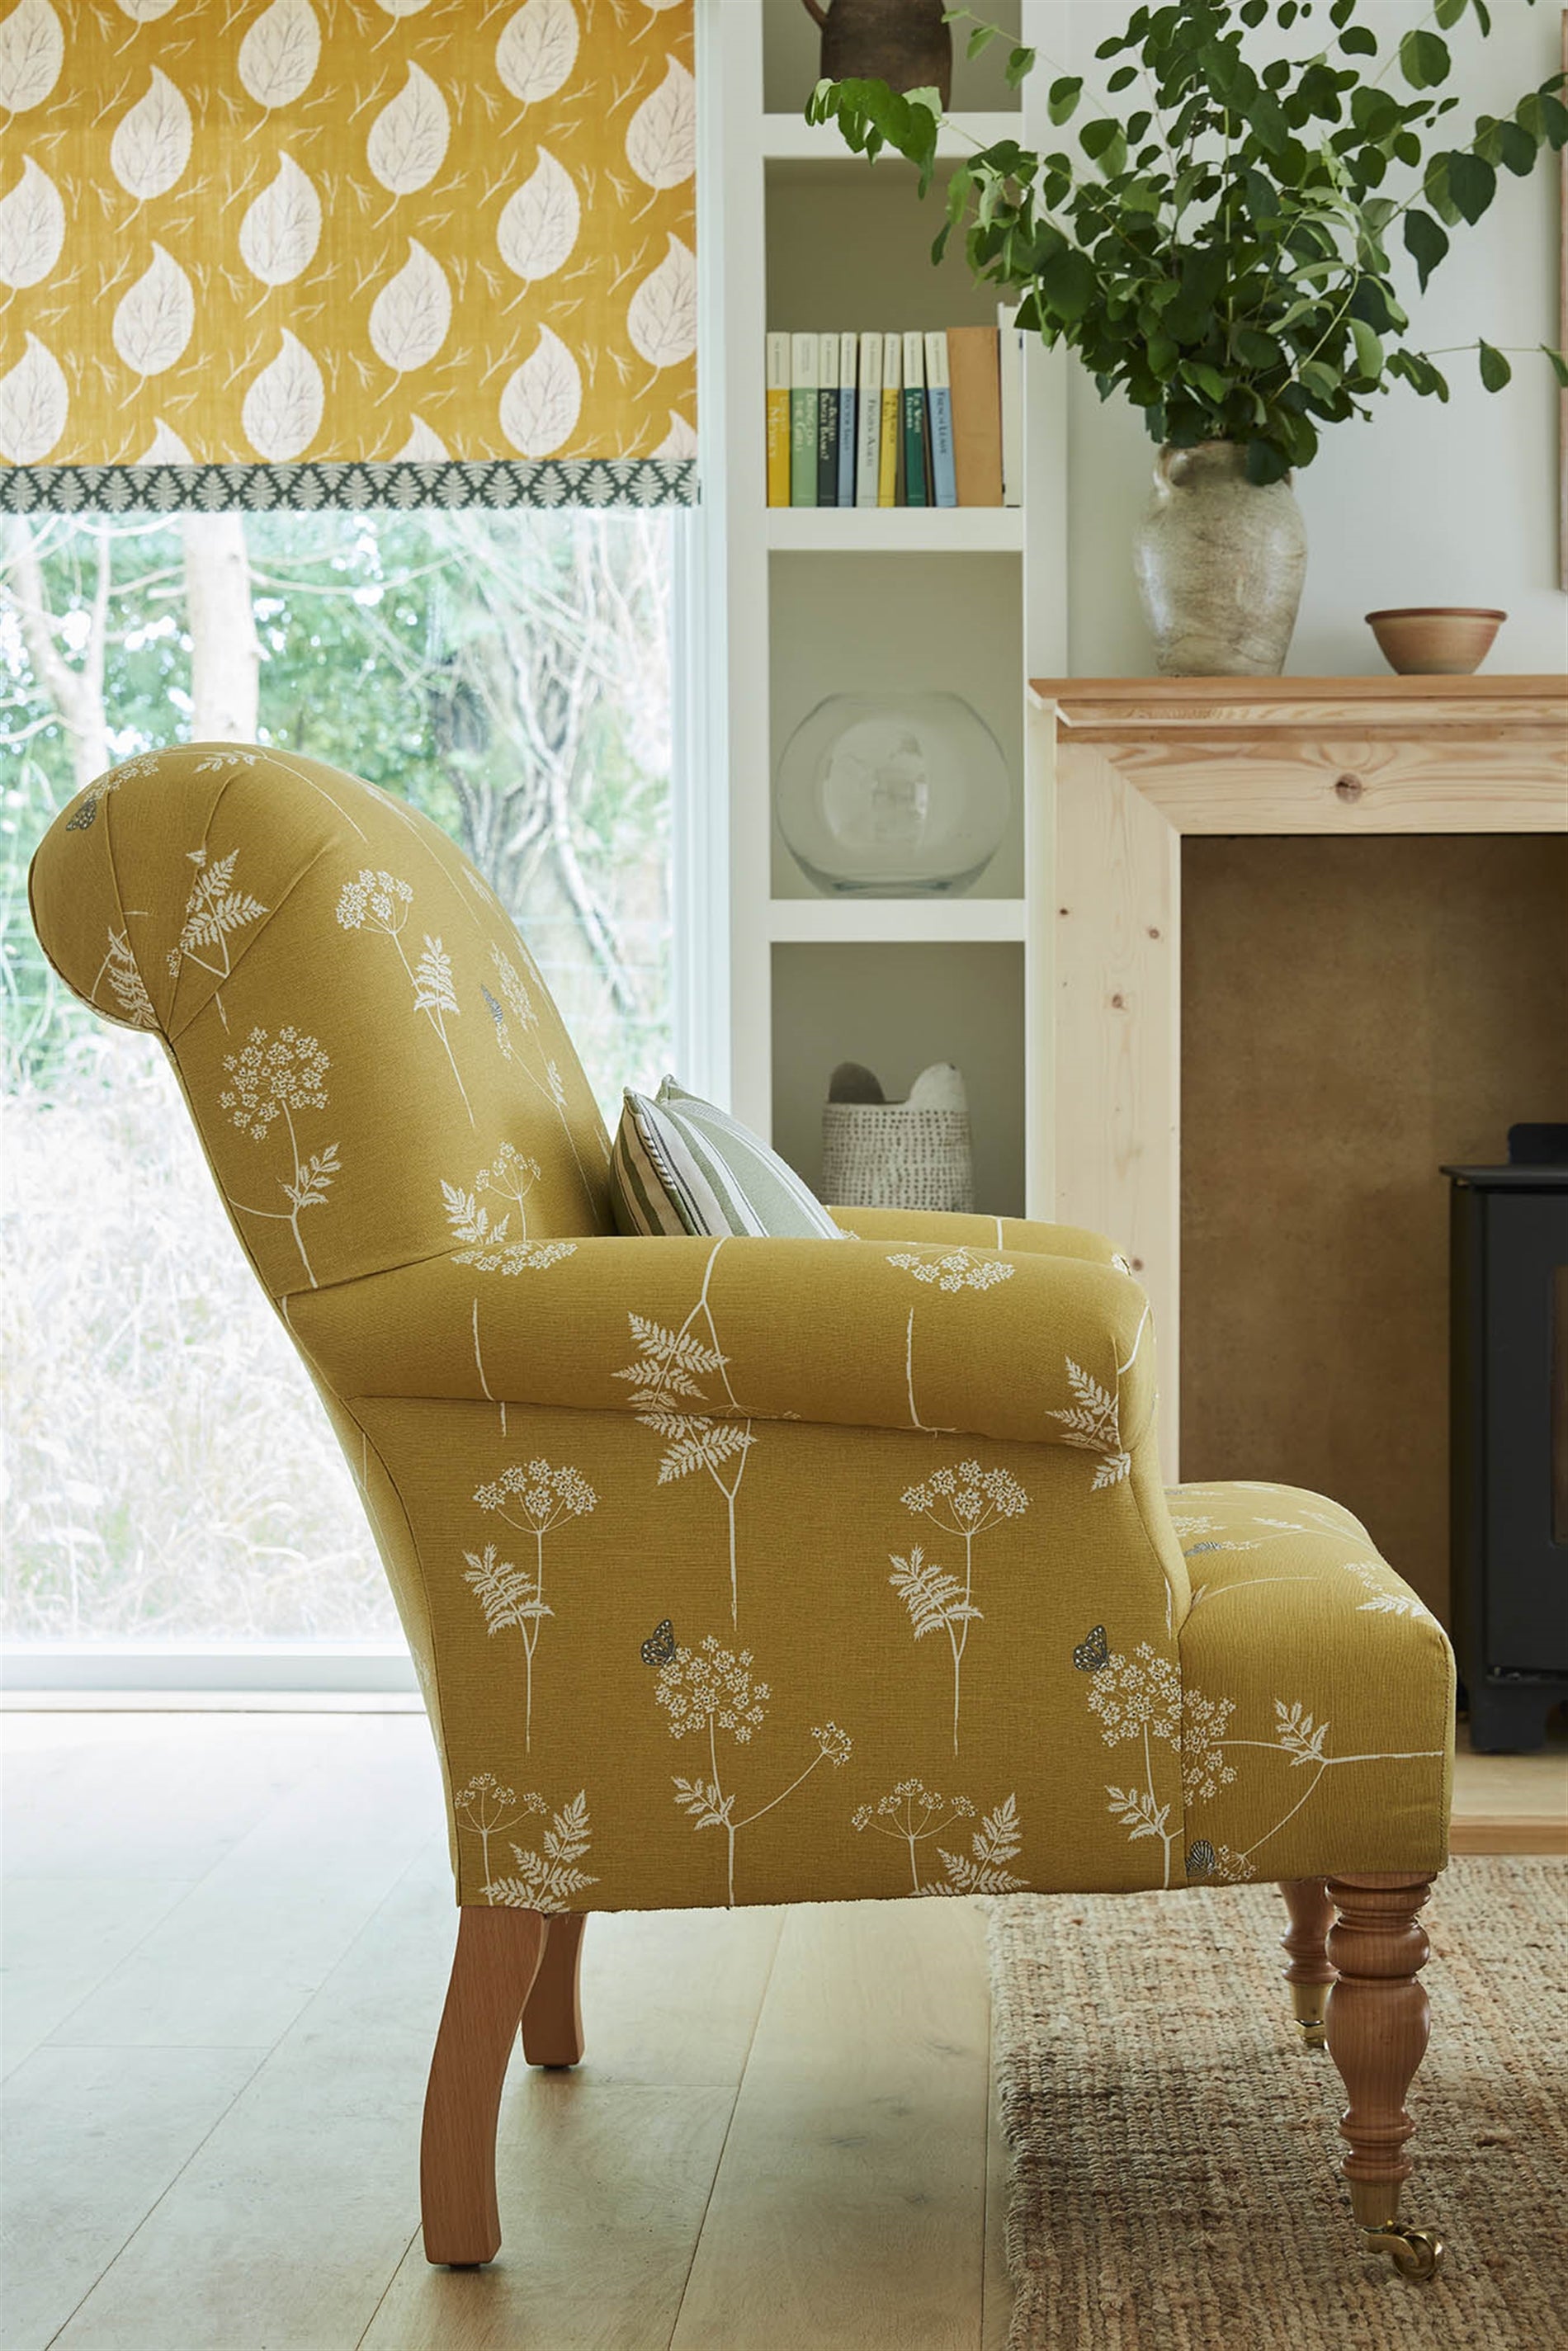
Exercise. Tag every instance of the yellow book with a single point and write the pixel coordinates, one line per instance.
(891, 383)
(778, 419)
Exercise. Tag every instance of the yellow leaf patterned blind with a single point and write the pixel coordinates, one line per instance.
(315, 252)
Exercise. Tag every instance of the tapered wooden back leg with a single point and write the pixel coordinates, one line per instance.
(552, 2017)
(1378, 2018)
(493, 1971)
(1309, 1971)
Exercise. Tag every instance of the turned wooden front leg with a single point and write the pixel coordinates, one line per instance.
(1377, 2024)
(552, 2019)
(493, 1971)
(1309, 1971)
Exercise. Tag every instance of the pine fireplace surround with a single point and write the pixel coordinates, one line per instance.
(1124, 769)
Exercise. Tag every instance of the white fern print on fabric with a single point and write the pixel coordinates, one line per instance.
(1197, 1534)
(983, 1869)
(1201, 1591)
(274, 1077)
(1205, 1766)
(489, 1809)
(955, 1268)
(937, 1603)
(667, 1377)
(375, 901)
(1384, 1602)
(534, 1497)
(121, 969)
(1302, 1740)
(526, 1052)
(1136, 1699)
(488, 1242)
(1318, 1526)
(548, 1877)
(1093, 1419)
(950, 1270)
(214, 911)
(708, 1689)
(963, 1501)
(912, 1814)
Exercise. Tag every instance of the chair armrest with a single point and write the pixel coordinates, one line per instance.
(925, 1227)
(1031, 1348)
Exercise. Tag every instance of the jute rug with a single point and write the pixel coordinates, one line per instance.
(1175, 2157)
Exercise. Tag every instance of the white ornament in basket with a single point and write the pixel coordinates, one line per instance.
(898, 1154)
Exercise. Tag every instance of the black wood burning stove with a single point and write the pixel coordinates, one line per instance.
(1510, 1437)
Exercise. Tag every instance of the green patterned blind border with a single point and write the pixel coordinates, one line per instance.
(400, 484)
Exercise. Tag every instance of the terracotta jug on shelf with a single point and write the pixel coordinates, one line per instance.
(904, 43)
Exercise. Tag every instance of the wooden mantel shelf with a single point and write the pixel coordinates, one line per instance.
(1346, 755)
(1125, 768)
(1148, 708)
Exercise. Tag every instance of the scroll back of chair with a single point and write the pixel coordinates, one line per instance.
(376, 1069)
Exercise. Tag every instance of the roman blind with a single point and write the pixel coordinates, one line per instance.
(262, 253)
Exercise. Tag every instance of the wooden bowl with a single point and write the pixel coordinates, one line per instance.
(1434, 640)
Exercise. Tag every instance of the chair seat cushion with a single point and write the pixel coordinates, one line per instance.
(1318, 1694)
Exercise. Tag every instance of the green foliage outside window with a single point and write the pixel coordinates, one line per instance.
(170, 1471)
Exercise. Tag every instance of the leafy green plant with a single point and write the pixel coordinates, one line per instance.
(1217, 248)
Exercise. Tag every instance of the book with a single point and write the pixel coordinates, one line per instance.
(974, 364)
(915, 493)
(827, 420)
(868, 432)
(939, 407)
(887, 454)
(802, 420)
(1011, 385)
(848, 346)
(778, 373)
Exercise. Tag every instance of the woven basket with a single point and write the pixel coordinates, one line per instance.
(908, 1154)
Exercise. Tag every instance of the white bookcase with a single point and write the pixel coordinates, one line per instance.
(803, 237)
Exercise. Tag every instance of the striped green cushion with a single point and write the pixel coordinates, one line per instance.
(679, 1165)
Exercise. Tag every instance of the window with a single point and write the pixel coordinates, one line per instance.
(171, 1475)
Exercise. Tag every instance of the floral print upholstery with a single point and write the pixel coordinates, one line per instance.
(735, 1570)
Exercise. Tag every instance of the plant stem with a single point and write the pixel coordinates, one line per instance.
(789, 1791)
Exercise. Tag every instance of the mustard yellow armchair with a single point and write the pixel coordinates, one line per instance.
(740, 1570)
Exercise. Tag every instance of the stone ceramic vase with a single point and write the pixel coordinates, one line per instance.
(1220, 564)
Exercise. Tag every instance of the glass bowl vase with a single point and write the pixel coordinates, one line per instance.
(893, 799)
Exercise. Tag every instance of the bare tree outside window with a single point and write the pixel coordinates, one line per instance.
(509, 675)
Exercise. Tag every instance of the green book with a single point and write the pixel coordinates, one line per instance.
(915, 477)
(802, 420)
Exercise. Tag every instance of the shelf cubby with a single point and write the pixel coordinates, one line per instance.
(892, 625)
(897, 1008)
(847, 246)
(888, 602)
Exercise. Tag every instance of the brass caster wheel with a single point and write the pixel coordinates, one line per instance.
(1309, 2001)
(1415, 2253)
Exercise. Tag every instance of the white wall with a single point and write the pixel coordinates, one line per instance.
(1426, 504)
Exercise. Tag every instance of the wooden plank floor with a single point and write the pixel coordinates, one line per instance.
(227, 1938)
